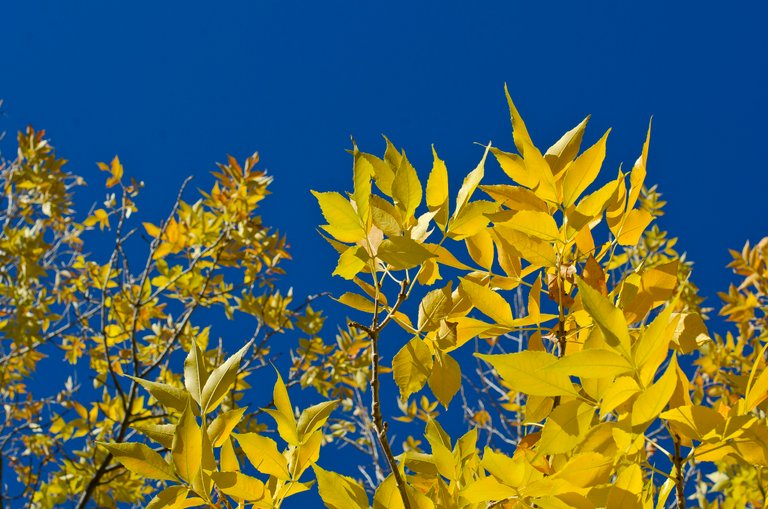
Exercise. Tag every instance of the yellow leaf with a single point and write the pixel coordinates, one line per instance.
(536, 224)
(339, 491)
(566, 148)
(536, 251)
(758, 392)
(283, 413)
(565, 427)
(440, 444)
(519, 131)
(387, 496)
(262, 452)
(411, 367)
(362, 174)
(608, 318)
(639, 170)
(583, 171)
(626, 490)
(357, 301)
(470, 219)
(239, 485)
(514, 167)
(195, 373)
(406, 189)
(445, 379)
(343, 222)
(434, 307)
(141, 460)
(152, 230)
(487, 489)
(228, 457)
(221, 380)
(437, 190)
(635, 223)
(314, 417)
(480, 248)
(351, 262)
(516, 197)
(403, 253)
(592, 363)
(470, 183)
(526, 372)
(591, 207)
(187, 451)
(221, 427)
(383, 174)
(172, 497)
(617, 393)
(167, 395)
(487, 302)
(695, 422)
(652, 401)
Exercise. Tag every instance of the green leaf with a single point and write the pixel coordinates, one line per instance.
(141, 460)
(412, 366)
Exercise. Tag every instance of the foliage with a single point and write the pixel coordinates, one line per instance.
(549, 310)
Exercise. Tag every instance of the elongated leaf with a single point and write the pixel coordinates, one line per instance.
(445, 379)
(403, 253)
(314, 417)
(262, 452)
(526, 372)
(239, 485)
(488, 302)
(141, 460)
(221, 427)
(437, 190)
(406, 189)
(652, 401)
(343, 222)
(583, 171)
(609, 318)
(221, 380)
(283, 413)
(411, 367)
(169, 396)
(195, 373)
(592, 363)
(339, 491)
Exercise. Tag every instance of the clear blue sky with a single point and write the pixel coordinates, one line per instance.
(174, 86)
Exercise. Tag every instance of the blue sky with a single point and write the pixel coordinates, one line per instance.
(172, 87)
